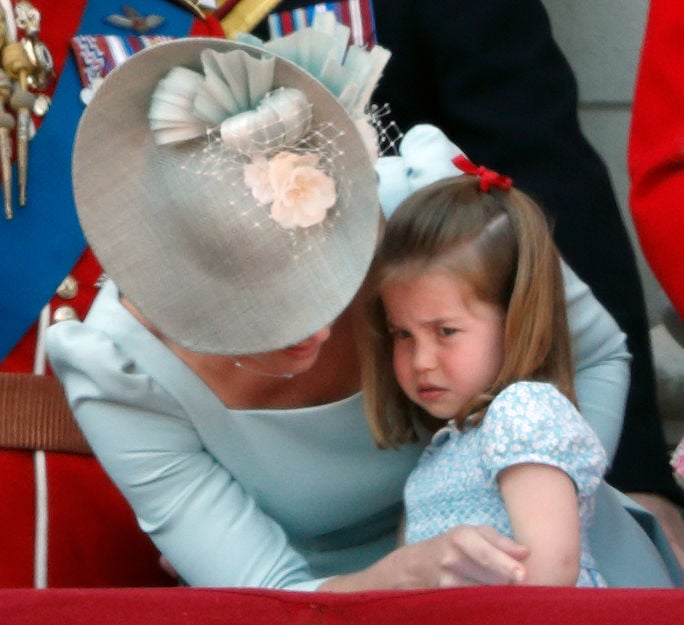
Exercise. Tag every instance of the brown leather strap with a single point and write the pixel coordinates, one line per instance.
(34, 414)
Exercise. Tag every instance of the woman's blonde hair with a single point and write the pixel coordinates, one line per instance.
(499, 243)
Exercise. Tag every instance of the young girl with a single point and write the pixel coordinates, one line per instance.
(466, 301)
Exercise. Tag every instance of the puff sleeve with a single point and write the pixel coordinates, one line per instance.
(532, 422)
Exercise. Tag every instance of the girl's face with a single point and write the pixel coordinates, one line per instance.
(448, 345)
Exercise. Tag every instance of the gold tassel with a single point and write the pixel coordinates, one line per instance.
(16, 63)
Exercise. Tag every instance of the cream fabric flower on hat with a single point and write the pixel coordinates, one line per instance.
(300, 192)
(303, 193)
(256, 178)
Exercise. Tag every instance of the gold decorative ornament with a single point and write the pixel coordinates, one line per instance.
(39, 57)
(6, 127)
(27, 68)
(16, 63)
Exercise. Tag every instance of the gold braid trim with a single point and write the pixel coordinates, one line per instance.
(245, 15)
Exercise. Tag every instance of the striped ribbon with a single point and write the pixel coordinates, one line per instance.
(243, 15)
(97, 55)
(357, 14)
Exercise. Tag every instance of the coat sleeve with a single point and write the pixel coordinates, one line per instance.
(194, 510)
(602, 362)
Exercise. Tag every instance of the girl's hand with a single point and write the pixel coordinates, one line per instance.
(463, 556)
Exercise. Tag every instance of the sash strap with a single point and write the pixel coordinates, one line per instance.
(34, 414)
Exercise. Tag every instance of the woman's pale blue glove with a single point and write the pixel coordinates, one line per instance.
(424, 157)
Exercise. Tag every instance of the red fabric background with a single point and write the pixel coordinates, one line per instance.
(17, 514)
(93, 537)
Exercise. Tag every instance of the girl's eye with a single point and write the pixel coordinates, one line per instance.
(398, 334)
(446, 331)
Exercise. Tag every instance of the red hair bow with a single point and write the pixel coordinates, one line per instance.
(488, 177)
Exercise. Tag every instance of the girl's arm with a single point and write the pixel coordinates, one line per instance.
(542, 506)
(544, 458)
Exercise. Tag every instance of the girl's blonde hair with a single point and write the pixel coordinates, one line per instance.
(499, 243)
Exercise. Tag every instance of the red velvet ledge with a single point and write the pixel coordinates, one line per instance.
(476, 606)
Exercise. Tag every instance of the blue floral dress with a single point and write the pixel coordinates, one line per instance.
(455, 480)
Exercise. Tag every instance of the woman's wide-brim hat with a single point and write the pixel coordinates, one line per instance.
(191, 242)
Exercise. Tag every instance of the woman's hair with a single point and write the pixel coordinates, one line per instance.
(499, 243)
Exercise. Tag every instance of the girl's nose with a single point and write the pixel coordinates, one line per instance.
(423, 357)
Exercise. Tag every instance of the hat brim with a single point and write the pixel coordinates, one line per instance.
(262, 296)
